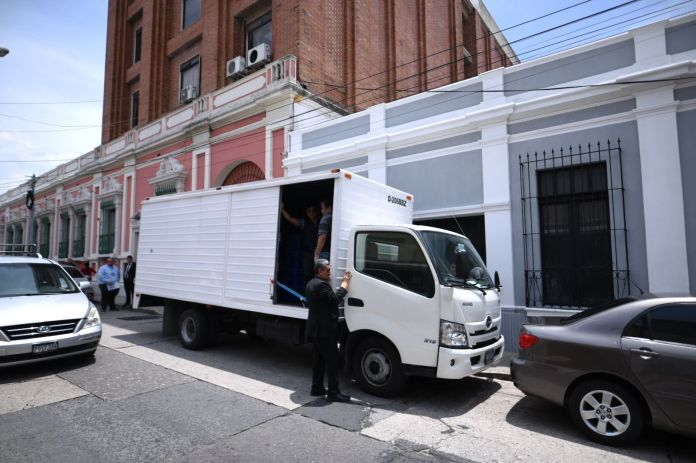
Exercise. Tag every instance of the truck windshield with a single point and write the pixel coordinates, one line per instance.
(456, 261)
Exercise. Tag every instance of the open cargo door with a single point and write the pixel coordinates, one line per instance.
(252, 232)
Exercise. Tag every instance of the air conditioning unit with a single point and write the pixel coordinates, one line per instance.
(236, 66)
(188, 93)
(259, 55)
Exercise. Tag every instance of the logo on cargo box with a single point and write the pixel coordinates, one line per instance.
(397, 201)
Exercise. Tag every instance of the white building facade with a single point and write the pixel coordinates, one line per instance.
(571, 173)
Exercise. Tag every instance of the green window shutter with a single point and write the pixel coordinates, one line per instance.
(166, 189)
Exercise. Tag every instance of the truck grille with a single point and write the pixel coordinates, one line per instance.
(487, 331)
(39, 330)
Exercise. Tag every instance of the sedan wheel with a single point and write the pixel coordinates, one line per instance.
(607, 412)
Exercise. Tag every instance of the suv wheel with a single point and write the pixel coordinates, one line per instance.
(606, 412)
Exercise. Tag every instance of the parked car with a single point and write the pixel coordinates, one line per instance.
(43, 313)
(616, 368)
(80, 277)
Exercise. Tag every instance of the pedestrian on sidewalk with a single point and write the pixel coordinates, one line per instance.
(322, 329)
(129, 280)
(107, 278)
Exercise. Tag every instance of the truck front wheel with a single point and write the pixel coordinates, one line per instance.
(193, 329)
(378, 367)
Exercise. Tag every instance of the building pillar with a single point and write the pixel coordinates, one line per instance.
(663, 194)
(88, 232)
(117, 225)
(498, 213)
(39, 232)
(71, 230)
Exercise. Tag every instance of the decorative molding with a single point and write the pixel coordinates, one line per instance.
(171, 172)
(110, 188)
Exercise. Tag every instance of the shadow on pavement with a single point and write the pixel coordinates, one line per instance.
(30, 371)
(289, 367)
(540, 416)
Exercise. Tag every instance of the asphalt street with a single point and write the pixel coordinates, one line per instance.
(145, 398)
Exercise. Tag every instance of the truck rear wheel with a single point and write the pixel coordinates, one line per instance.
(194, 329)
(378, 367)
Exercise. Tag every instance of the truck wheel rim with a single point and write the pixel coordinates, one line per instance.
(376, 367)
(188, 330)
(605, 413)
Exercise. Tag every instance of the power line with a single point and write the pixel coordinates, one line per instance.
(190, 148)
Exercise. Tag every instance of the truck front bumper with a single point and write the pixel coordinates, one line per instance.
(459, 363)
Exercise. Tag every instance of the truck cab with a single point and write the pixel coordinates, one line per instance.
(421, 302)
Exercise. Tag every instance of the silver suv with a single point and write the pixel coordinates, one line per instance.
(43, 312)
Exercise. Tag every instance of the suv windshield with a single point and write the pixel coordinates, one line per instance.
(31, 279)
(456, 260)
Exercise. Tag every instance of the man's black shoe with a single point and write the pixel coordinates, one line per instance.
(337, 397)
(316, 392)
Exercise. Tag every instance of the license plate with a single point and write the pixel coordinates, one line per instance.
(44, 348)
(488, 356)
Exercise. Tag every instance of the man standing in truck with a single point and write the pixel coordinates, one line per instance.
(309, 230)
(324, 231)
(322, 329)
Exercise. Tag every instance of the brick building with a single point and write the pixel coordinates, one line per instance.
(202, 93)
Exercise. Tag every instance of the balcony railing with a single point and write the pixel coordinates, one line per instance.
(78, 248)
(63, 249)
(106, 243)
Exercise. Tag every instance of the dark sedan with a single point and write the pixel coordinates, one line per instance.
(616, 368)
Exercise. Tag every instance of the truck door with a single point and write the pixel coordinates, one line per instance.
(392, 292)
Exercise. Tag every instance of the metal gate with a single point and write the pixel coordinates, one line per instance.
(574, 226)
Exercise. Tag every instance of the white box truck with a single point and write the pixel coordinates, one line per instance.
(421, 301)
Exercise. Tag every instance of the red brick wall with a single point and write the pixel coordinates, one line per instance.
(356, 53)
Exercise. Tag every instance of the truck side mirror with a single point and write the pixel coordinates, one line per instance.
(496, 280)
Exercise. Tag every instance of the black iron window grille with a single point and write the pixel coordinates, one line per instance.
(574, 226)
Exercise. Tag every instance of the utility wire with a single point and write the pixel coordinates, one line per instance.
(190, 148)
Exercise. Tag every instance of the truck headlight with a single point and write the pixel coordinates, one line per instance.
(92, 318)
(452, 335)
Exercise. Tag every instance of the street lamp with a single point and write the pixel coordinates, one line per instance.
(3, 51)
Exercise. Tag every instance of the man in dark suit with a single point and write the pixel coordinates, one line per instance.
(322, 329)
(129, 280)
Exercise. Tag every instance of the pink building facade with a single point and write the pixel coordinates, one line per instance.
(89, 208)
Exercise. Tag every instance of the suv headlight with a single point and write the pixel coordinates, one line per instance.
(92, 318)
(452, 335)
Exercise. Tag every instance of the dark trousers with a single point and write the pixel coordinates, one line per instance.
(128, 286)
(108, 298)
(325, 360)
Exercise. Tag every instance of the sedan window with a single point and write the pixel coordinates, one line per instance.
(674, 323)
(669, 323)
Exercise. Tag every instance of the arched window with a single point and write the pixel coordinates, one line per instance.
(243, 173)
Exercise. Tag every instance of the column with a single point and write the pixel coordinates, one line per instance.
(71, 230)
(498, 214)
(38, 237)
(118, 201)
(663, 199)
(88, 232)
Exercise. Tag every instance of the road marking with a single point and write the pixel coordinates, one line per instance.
(257, 389)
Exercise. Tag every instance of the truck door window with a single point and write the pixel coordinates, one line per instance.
(395, 258)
